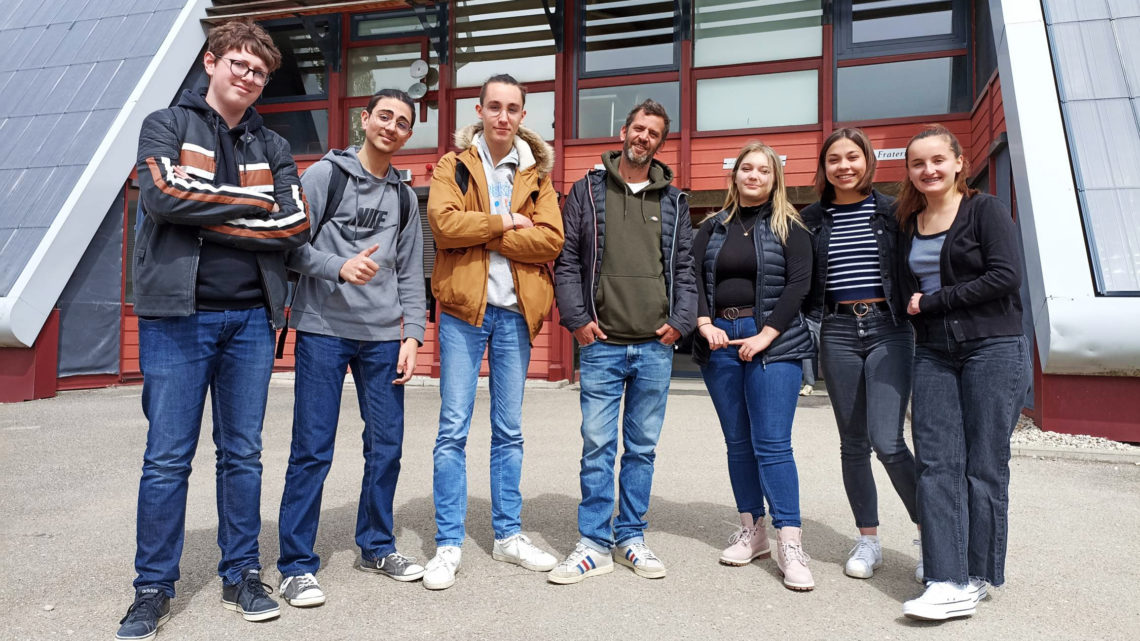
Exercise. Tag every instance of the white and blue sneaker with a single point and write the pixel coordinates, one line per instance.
(583, 562)
(638, 556)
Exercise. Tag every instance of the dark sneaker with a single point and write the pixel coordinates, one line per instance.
(395, 565)
(302, 591)
(150, 610)
(250, 597)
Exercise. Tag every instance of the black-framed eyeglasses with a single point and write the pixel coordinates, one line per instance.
(241, 68)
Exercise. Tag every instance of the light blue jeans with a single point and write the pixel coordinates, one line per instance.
(641, 372)
(505, 337)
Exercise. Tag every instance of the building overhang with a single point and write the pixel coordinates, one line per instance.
(1077, 331)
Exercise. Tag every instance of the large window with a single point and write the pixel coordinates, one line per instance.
(1096, 59)
(493, 37)
(618, 35)
(749, 102)
(901, 58)
(730, 32)
(303, 73)
(602, 111)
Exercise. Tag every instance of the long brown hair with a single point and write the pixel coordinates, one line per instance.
(824, 188)
(784, 215)
(910, 200)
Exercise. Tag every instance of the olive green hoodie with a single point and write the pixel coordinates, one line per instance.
(632, 300)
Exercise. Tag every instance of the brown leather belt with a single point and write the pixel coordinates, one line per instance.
(733, 313)
(860, 309)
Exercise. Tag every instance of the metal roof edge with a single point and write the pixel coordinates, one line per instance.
(1077, 331)
(35, 292)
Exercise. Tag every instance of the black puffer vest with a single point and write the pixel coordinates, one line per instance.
(795, 343)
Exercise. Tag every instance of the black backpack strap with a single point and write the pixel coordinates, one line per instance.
(338, 181)
(462, 176)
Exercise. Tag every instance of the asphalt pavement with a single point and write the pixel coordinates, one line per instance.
(69, 470)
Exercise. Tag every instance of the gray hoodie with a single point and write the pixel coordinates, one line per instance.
(368, 215)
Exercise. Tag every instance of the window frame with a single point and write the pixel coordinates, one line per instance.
(335, 32)
(580, 50)
(845, 48)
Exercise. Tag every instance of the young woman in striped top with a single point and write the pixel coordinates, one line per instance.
(866, 345)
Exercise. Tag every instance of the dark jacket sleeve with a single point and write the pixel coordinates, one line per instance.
(683, 316)
(186, 201)
(700, 244)
(280, 230)
(813, 305)
(568, 267)
(996, 236)
(798, 259)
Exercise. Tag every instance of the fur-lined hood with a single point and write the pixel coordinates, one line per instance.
(532, 149)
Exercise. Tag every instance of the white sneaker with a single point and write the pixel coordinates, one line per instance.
(942, 600)
(582, 563)
(866, 557)
(519, 550)
(638, 556)
(439, 574)
(806, 390)
(979, 589)
(918, 574)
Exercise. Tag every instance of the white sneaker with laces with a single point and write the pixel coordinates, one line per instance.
(583, 562)
(638, 556)
(439, 574)
(519, 550)
(866, 557)
(979, 589)
(302, 591)
(942, 600)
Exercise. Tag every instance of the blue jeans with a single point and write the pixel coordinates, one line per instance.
(231, 354)
(320, 369)
(868, 363)
(641, 372)
(756, 404)
(505, 337)
(967, 397)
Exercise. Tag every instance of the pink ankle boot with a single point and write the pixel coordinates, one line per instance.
(792, 560)
(747, 543)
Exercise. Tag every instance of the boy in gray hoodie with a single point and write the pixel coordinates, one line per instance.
(367, 314)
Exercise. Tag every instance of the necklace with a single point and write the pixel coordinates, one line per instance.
(746, 231)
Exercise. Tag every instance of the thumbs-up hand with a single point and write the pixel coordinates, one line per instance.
(360, 269)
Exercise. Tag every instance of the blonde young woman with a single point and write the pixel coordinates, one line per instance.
(753, 264)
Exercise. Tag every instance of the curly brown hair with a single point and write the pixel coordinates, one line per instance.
(243, 35)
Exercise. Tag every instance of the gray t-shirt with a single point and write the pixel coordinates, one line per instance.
(500, 187)
(924, 256)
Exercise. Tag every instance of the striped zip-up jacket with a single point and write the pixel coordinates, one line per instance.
(178, 212)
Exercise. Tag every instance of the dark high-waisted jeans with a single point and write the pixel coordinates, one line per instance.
(867, 363)
(967, 397)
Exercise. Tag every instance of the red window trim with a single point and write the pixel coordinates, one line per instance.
(901, 57)
(757, 68)
(906, 120)
(631, 79)
(758, 131)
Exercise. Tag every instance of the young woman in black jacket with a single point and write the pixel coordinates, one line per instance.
(866, 343)
(960, 271)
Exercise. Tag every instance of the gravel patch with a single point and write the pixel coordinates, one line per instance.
(1027, 434)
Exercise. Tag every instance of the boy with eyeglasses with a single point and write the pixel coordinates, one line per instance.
(365, 314)
(495, 218)
(220, 205)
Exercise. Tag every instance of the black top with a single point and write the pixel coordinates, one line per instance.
(980, 266)
(228, 277)
(738, 255)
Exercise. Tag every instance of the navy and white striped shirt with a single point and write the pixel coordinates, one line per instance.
(852, 254)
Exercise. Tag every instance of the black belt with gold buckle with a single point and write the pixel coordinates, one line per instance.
(733, 313)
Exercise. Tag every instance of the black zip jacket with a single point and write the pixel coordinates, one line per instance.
(576, 268)
(980, 266)
(886, 229)
(176, 214)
